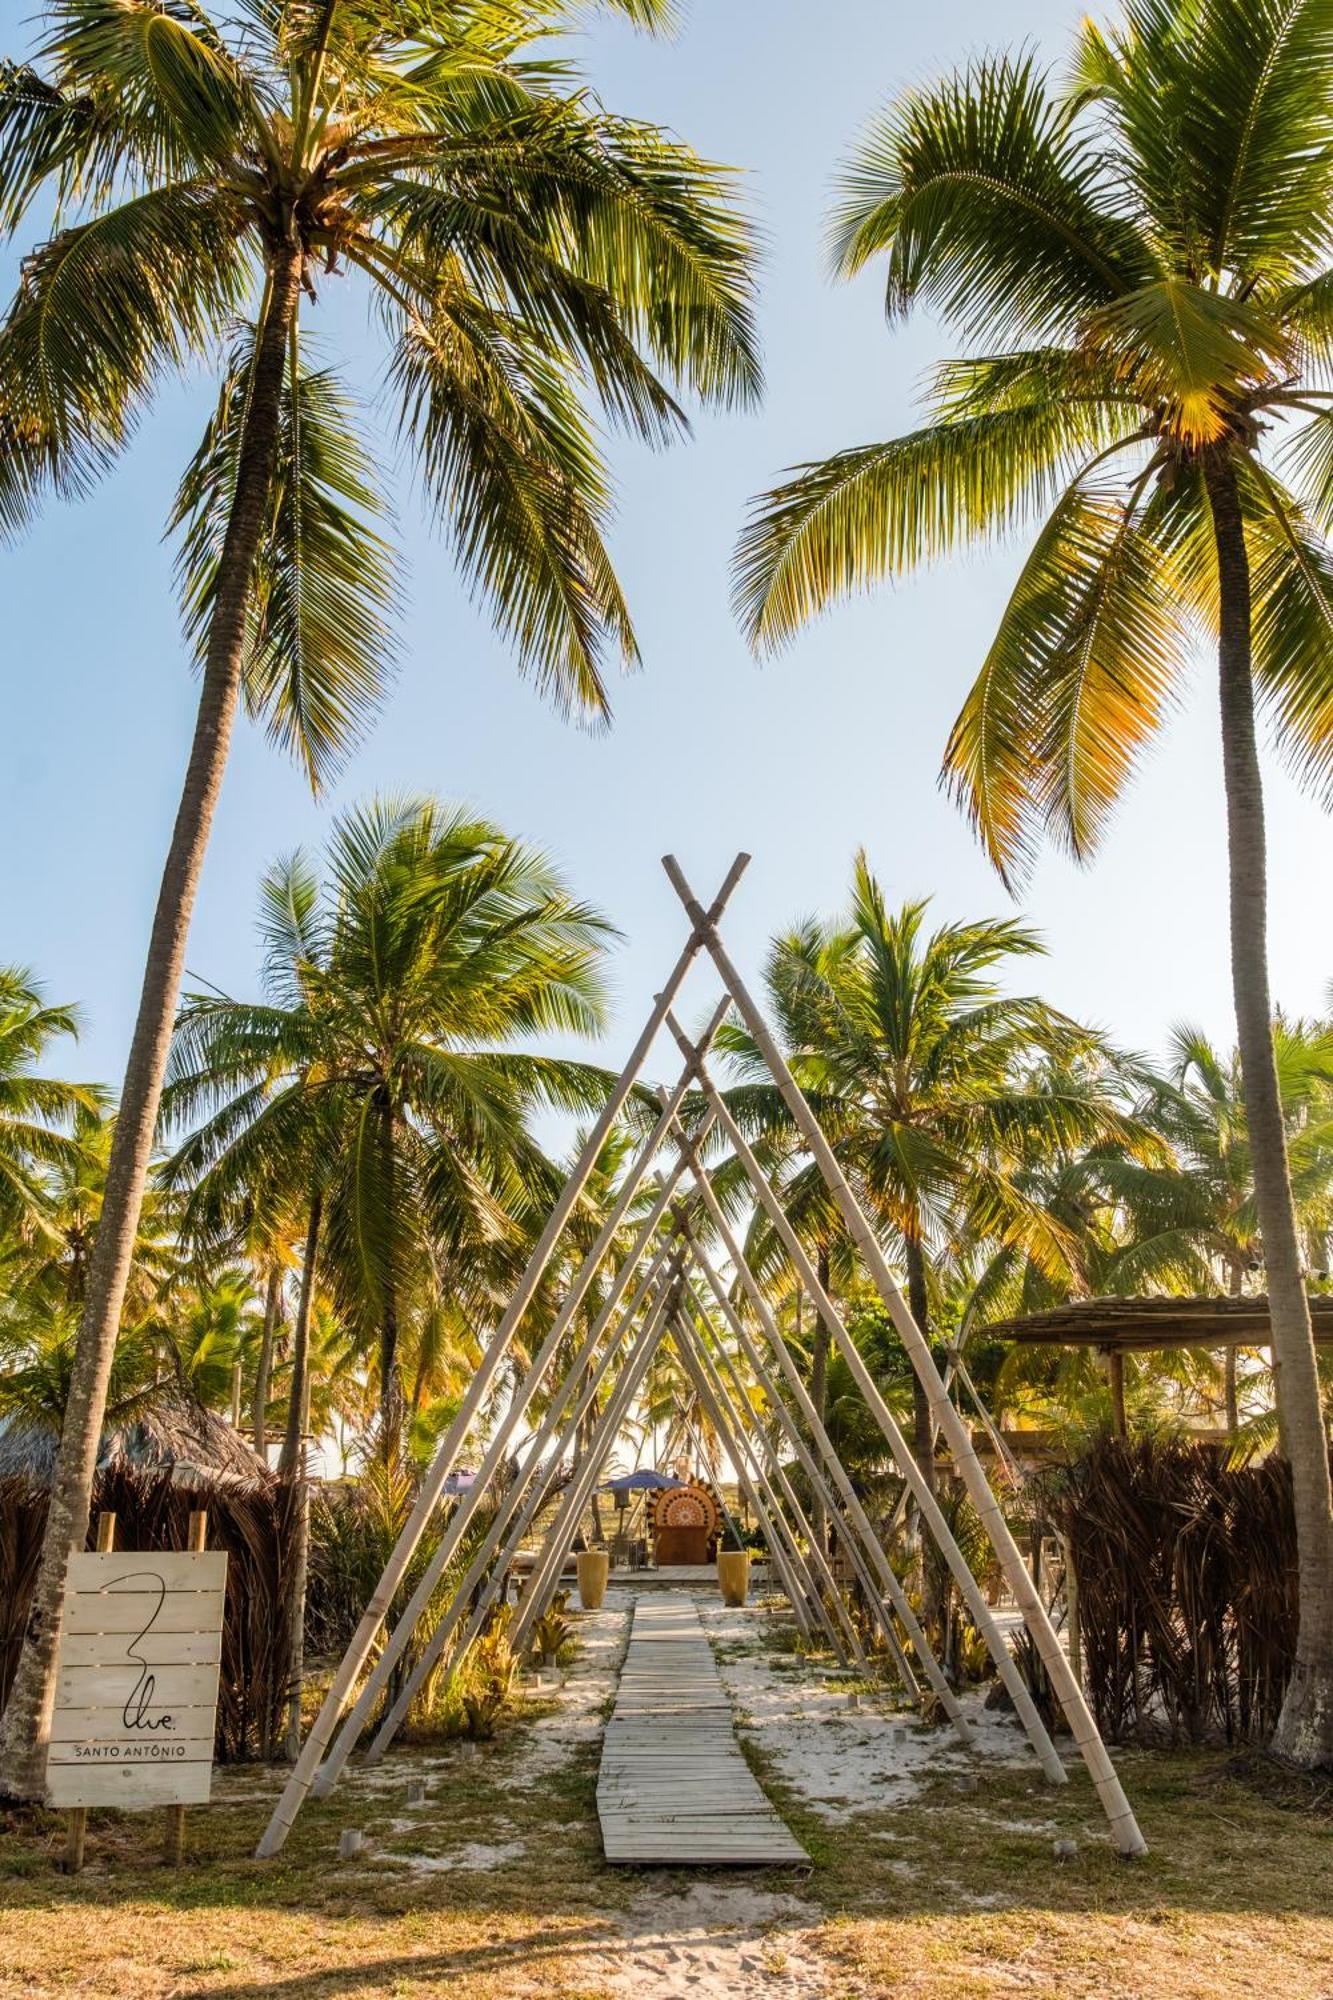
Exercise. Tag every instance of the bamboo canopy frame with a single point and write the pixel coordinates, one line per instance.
(653, 1297)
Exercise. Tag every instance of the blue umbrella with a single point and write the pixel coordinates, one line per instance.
(646, 1481)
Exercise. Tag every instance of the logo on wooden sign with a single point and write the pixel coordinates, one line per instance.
(137, 1686)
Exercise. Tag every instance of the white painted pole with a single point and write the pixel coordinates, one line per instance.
(779, 1485)
(498, 1449)
(312, 1751)
(773, 1333)
(931, 1513)
(853, 1529)
(785, 1557)
(545, 1578)
(693, 1437)
(1124, 1827)
(524, 1483)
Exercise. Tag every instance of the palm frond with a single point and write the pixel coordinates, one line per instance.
(101, 311)
(513, 470)
(992, 207)
(321, 645)
(882, 509)
(1075, 681)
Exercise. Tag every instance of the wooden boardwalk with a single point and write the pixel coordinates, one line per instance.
(673, 1786)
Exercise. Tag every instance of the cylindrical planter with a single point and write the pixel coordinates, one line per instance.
(594, 1567)
(733, 1575)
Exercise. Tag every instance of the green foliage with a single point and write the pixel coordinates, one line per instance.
(551, 1631)
(36, 1111)
(533, 261)
(385, 1068)
(936, 1087)
(1139, 267)
(324, 590)
(491, 1673)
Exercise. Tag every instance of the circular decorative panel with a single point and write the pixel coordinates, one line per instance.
(686, 1507)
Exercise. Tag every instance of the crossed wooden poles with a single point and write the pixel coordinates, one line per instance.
(666, 1285)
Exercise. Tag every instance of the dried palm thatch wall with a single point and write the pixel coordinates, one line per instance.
(247, 1519)
(1186, 1572)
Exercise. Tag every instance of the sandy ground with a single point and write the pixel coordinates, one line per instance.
(720, 1936)
(845, 1760)
(730, 1939)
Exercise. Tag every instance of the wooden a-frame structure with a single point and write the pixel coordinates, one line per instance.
(667, 1286)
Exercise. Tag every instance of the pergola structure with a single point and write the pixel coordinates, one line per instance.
(667, 1286)
(1114, 1327)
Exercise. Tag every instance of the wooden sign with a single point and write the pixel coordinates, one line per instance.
(137, 1683)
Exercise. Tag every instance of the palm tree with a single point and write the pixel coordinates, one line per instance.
(935, 1087)
(382, 1080)
(1141, 268)
(379, 1082)
(37, 1113)
(527, 250)
(1196, 1219)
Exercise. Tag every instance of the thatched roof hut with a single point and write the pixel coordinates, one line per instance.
(1133, 1325)
(174, 1434)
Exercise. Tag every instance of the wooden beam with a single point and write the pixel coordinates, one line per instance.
(535, 1489)
(1124, 1827)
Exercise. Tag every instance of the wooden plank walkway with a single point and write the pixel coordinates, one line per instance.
(673, 1786)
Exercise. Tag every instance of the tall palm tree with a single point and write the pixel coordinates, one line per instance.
(380, 1081)
(1140, 265)
(527, 251)
(383, 1077)
(38, 1113)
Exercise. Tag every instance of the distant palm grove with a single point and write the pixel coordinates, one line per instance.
(299, 1214)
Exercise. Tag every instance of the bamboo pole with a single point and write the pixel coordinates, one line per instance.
(498, 1449)
(693, 1437)
(786, 1558)
(537, 1497)
(779, 1485)
(778, 1557)
(931, 1512)
(545, 1578)
(312, 1752)
(535, 1490)
(854, 1509)
(1124, 1827)
(196, 1539)
(76, 1819)
(831, 1481)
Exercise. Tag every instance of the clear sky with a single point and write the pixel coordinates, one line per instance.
(835, 745)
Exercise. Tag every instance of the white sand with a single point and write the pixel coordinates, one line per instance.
(845, 1761)
(582, 1694)
(723, 1936)
(719, 1939)
(474, 1856)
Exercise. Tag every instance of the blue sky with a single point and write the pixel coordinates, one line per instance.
(836, 744)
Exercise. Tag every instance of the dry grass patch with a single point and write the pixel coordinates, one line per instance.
(495, 1889)
(961, 1896)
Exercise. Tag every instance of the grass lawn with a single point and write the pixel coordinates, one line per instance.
(496, 1887)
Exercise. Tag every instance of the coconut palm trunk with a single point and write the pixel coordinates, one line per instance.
(918, 1297)
(294, 1468)
(1230, 1382)
(934, 1577)
(264, 1366)
(23, 1741)
(1305, 1729)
